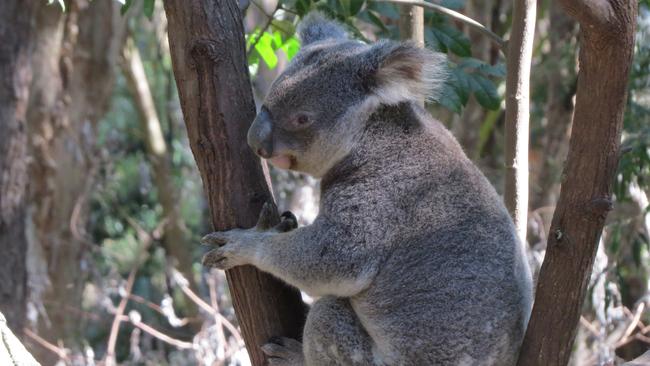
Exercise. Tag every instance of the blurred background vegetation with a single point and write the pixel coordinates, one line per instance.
(116, 207)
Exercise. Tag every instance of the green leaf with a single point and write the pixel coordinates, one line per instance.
(462, 84)
(498, 70)
(453, 4)
(266, 51)
(453, 39)
(291, 47)
(449, 99)
(148, 8)
(355, 6)
(485, 92)
(370, 16)
(432, 41)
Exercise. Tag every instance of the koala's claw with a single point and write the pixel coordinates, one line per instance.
(288, 222)
(215, 238)
(281, 351)
(268, 216)
(221, 258)
(214, 258)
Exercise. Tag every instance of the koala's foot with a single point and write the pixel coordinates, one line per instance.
(281, 351)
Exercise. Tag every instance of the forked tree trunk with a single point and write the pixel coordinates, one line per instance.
(15, 75)
(206, 39)
(606, 48)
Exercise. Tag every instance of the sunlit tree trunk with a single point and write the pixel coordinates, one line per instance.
(519, 60)
(206, 39)
(607, 30)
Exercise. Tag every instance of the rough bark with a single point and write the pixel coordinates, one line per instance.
(74, 66)
(519, 59)
(15, 75)
(606, 48)
(209, 60)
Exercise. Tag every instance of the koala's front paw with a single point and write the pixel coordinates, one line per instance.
(222, 258)
(281, 351)
(232, 251)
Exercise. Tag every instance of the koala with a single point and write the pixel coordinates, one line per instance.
(413, 256)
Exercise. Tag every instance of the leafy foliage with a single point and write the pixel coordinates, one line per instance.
(468, 76)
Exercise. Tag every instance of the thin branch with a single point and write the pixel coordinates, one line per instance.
(454, 15)
(205, 306)
(60, 351)
(146, 239)
(115, 327)
(135, 320)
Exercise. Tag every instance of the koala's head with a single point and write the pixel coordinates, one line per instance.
(316, 108)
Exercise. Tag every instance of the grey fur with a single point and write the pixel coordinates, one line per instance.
(413, 254)
(315, 27)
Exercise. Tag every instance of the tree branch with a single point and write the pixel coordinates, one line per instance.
(454, 15)
(589, 12)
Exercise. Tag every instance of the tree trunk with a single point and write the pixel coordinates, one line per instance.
(208, 55)
(520, 54)
(606, 48)
(74, 66)
(15, 75)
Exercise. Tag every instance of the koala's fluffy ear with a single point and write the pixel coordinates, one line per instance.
(399, 71)
(316, 27)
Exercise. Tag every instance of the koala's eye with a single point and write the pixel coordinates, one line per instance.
(302, 120)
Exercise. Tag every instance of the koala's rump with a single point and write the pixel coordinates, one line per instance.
(449, 297)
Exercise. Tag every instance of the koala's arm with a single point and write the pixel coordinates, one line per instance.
(324, 258)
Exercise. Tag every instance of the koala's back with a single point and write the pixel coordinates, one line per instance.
(454, 286)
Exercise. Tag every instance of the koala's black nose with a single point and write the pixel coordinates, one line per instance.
(260, 134)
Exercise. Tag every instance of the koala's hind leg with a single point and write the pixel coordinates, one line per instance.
(281, 351)
(333, 335)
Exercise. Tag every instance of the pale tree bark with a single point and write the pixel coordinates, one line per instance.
(16, 35)
(519, 59)
(606, 47)
(12, 352)
(411, 24)
(74, 63)
(209, 59)
(174, 238)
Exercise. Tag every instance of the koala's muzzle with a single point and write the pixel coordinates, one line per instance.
(260, 137)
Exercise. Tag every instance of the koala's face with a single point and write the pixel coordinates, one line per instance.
(312, 113)
(298, 124)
